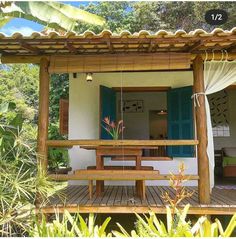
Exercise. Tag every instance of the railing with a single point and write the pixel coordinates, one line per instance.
(129, 143)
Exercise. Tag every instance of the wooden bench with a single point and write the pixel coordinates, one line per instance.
(111, 175)
(125, 175)
(138, 184)
(114, 167)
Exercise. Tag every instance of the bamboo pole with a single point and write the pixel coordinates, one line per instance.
(201, 125)
(43, 119)
(12, 59)
(90, 143)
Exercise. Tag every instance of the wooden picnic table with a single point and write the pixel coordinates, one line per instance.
(114, 151)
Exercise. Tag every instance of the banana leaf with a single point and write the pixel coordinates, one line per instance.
(52, 14)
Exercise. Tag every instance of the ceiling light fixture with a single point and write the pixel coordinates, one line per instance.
(89, 77)
(162, 112)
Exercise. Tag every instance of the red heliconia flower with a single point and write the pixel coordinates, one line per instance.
(107, 120)
(113, 125)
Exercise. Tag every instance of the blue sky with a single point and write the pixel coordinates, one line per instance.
(27, 27)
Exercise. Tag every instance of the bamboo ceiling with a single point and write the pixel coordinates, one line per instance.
(197, 41)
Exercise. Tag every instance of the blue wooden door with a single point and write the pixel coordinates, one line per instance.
(107, 108)
(180, 120)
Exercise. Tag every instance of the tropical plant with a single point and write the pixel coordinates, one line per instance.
(151, 226)
(180, 192)
(51, 14)
(21, 178)
(69, 226)
(176, 222)
(58, 158)
(112, 128)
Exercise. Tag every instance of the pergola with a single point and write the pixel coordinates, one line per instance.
(110, 52)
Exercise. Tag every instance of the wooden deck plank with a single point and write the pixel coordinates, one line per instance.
(218, 194)
(137, 199)
(112, 197)
(184, 201)
(54, 199)
(123, 199)
(150, 198)
(61, 195)
(218, 200)
(84, 198)
(155, 196)
(159, 194)
(118, 198)
(106, 196)
(98, 199)
(77, 194)
(131, 197)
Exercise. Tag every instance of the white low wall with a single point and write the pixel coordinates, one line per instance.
(84, 116)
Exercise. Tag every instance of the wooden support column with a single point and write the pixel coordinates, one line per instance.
(43, 119)
(201, 125)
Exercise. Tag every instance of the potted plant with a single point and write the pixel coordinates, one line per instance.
(112, 128)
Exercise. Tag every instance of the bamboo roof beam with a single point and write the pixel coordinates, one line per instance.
(70, 47)
(28, 47)
(194, 46)
(110, 46)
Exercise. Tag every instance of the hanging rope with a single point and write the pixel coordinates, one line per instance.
(132, 200)
(195, 98)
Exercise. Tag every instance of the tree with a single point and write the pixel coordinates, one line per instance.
(153, 16)
(19, 84)
(118, 16)
(180, 15)
(51, 14)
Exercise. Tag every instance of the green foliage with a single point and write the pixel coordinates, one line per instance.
(69, 226)
(19, 84)
(59, 89)
(58, 158)
(20, 177)
(151, 226)
(156, 15)
(118, 15)
(53, 14)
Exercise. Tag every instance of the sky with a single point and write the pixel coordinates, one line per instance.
(26, 27)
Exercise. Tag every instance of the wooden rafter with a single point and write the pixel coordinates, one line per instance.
(110, 46)
(151, 46)
(71, 48)
(28, 47)
(133, 40)
(232, 47)
(195, 46)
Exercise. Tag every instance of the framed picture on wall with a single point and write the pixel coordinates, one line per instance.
(132, 106)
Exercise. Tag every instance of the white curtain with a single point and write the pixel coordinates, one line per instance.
(217, 76)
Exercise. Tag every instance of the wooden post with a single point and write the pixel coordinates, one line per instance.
(201, 125)
(43, 119)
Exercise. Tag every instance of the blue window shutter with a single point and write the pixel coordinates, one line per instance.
(180, 120)
(107, 108)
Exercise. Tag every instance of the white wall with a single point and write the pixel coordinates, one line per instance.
(137, 124)
(221, 142)
(84, 114)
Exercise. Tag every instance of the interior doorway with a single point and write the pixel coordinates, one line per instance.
(158, 130)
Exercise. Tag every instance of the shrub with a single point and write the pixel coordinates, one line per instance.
(69, 226)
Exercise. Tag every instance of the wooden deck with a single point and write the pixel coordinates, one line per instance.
(122, 199)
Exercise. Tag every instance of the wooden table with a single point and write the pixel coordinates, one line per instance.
(111, 151)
